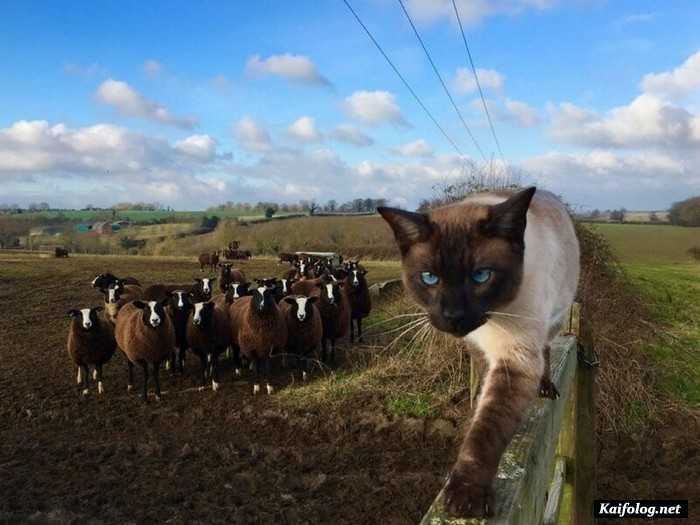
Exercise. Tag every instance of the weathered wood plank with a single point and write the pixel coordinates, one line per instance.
(523, 474)
(556, 490)
(584, 468)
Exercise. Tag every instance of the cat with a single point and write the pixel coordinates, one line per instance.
(501, 270)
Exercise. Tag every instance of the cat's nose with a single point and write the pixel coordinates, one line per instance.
(453, 316)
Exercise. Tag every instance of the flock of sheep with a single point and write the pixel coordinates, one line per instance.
(302, 314)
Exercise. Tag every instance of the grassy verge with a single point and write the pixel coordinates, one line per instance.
(671, 291)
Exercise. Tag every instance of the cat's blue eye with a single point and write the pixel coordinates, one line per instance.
(429, 278)
(481, 275)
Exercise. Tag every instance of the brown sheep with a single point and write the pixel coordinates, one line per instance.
(304, 328)
(159, 292)
(117, 295)
(335, 313)
(209, 334)
(228, 274)
(258, 330)
(358, 295)
(208, 259)
(145, 334)
(203, 289)
(90, 343)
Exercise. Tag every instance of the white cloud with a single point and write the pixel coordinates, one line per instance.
(104, 163)
(418, 148)
(251, 135)
(351, 135)
(152, 68)
(304, 130)
(471, 11)
(374, 108)
(295, 68)
(198, 146)
(129, 102)
(677, 83)
(521, 113)
(463, 81)
(646, 121)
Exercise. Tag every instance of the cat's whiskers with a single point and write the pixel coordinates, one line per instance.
(394, 318)
(414, 325)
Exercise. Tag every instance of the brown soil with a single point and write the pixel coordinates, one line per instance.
(194, 457)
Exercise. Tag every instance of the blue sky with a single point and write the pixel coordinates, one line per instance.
(193, 104)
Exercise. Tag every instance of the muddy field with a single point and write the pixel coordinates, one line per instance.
(194, 457)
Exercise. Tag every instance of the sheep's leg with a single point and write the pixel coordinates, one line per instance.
(256, 376)
(352, 331)
(214, 375)
(144, 394)
(324, 346)
(130, 384)
(237, 365)
(181, 359)
(98, 370)
(359, 329)
(268, 386)
(86, 377)
(171, 362)
(156, 379)
(303, 365)
(79, 377)
(333, 351)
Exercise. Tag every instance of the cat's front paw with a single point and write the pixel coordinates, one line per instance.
(466, 498)
(548, 389)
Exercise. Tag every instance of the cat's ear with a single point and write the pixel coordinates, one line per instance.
(509, 218)
(409, 227)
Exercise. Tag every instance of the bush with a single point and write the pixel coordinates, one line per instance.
(685, 213)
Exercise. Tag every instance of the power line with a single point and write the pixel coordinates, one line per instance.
(444, 86)
(405, 82)
(478, 84)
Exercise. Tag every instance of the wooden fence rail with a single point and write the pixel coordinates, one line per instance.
(547, 473)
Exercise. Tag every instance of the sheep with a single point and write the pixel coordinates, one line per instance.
(60, 253)
(117, 295)
(360, 301)
(145, 334)
(208, 259)
(335, 313)
(209, 334)
(284, 288)
(258, 329)
(304, 328)
(224, 301)
(228, 274)
(305, 287)
(103, 280)
(203, 288)
(159, 292)
(179, 309)
(90, 343)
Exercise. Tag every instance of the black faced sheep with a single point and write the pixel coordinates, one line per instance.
(179, 311)
(335, 313)
(258, 329)
(209, 334)
(360, 301)
(103, 280)
(203, 289)
(228, 274)
(145, 334)
(117, 295)
(304, 328)
(90, 343)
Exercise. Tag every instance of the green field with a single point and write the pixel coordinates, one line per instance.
(141, 215)
(656, 261)
(640, 243)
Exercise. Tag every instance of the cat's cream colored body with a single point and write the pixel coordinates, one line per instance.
(550, 279)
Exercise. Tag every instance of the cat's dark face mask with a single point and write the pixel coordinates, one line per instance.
(462, 262)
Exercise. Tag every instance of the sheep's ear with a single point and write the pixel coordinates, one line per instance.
(73, 313)
(313, 299)
(139, 304)
(98, 308)
(197, 280)
(290, 300)
(409, 227)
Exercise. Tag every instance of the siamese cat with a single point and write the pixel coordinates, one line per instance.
(500, 270)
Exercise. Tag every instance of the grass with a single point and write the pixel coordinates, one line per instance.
(671, 291)
(651, 244)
